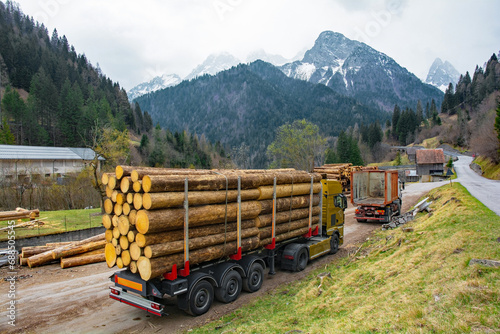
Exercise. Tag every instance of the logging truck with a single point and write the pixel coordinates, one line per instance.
(377, 195)
(196, 286)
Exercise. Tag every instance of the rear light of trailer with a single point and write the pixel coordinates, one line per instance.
(156, 306)
(380, 212)
(115, 292)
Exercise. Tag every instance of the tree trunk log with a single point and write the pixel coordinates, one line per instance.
(144, 240)
(266, 232)
(122, 171)
(106, 221)
(28, 251)
(78, 249)
(173, 183)
(82, 260)
(286, 236)
(171, 219)
(137, 201)
(108, 206)
(125, 184)
(174, 247)
(153, 201)
(138, 173)
(287, 190)
(151, 268)
(124, 243)
(287, 203)
(135, 251)
(123, 225)
(286, 216)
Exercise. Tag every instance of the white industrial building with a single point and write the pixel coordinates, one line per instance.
(18, 162)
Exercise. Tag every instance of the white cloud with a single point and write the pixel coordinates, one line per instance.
(133, 41)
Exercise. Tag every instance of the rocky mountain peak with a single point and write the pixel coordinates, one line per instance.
(441, 74)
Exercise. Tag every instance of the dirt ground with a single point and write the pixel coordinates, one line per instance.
(52, 300)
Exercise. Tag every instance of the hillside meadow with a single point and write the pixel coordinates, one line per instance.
(416, 280)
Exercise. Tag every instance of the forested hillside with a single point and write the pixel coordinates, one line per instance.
(472, 105)
(242, 108)
(67, 95)
(53, 96)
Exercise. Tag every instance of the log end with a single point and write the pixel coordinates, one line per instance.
(135, 251)
(134, 176)
(138, 201)
(119, 172)
(125, 185)
(108, 206)
(106, 221)
(110, 253)
(146, 183)
(144, 268)
(148, 252)
(140, 239)
(146, 201)
(142, 222)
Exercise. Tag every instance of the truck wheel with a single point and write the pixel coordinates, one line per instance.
(202, 296)
(230, 287)
(334, 243)
(253, 281)
(302, 259)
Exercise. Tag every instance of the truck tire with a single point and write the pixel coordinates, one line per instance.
(302, 259)
(202, 297)
(334, 243)
(254, 279)
(230, 287)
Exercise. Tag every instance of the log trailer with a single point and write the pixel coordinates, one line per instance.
(196, 287)
(377, 195)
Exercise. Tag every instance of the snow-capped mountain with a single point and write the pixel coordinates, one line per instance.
(441, 74)
(355, 69)
(276, 60)
(153, 85)
(214, 64)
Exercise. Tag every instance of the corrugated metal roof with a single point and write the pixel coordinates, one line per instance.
(19, 152)
(430, 156)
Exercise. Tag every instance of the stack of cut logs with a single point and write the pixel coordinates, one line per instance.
(341, 173)
(70, 254)
(145, 214)
(19, 213)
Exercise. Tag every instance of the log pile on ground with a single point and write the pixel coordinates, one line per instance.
(340, 172)
(145, 214)
(19, 213)
(69, 254)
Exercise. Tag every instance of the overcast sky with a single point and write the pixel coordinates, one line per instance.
(133, 41)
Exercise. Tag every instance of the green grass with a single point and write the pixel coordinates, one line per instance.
(57, 222)
(489, 168)
(398, 282)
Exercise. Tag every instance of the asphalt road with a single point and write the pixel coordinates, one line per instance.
(485, 190)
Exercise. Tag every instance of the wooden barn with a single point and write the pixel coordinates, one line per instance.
(430, 164)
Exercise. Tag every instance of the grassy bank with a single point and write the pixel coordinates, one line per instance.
(490, 169)
(408, 282)
(56, 222)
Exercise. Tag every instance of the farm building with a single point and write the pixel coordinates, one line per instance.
(18, 162)
(430, 163)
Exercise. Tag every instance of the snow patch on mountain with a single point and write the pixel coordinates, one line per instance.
(157, 83)
(214, 64)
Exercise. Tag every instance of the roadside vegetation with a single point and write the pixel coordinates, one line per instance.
(490, 169)
(414, 281)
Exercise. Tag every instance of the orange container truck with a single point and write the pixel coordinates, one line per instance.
(377, 195)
